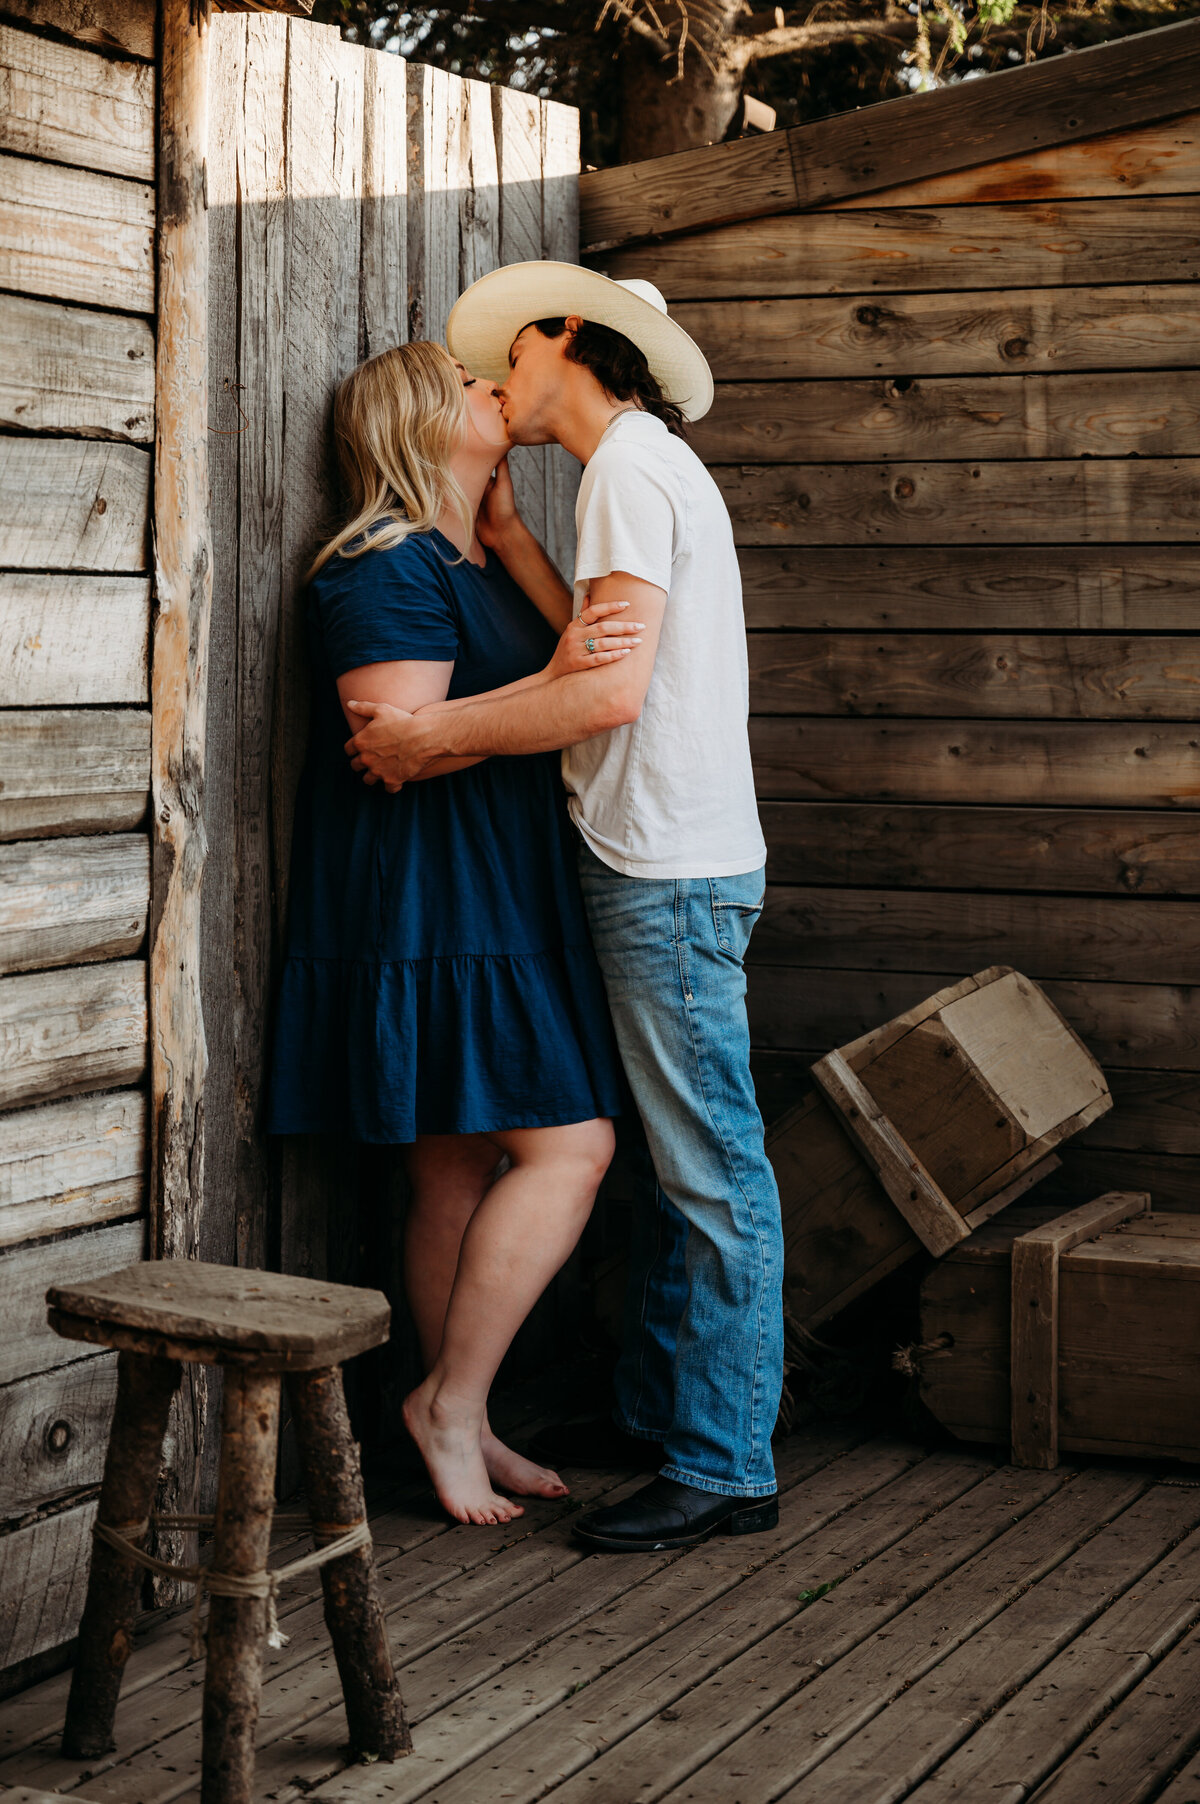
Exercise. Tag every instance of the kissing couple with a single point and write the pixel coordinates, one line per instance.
(522, 894)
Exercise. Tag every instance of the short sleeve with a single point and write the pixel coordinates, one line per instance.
(627, 518)
(385, 605)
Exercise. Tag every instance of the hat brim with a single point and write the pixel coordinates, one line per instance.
(488, 316)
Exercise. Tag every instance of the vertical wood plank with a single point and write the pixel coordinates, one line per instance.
(560, 243)
(323, 153)
(1034, 1353)
(518, 119)
(384, 271)
(183, 583)
(435, 102)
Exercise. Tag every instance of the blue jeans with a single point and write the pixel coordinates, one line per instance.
(702, 1364)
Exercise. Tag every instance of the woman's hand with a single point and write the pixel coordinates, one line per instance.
(498, 517)
(594, 638)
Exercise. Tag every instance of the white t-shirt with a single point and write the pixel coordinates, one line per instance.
(672, 794)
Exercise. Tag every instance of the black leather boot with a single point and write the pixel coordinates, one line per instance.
(665, 1514)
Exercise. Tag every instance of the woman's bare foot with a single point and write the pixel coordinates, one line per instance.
(449, 1444)
(513, 1473)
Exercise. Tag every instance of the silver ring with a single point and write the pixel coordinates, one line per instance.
(590, 644)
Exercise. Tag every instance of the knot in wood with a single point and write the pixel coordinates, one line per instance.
(58, 1437)
(1015, 347)
(906, 488)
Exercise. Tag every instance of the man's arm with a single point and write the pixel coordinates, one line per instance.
(396, 747)
(408, 683)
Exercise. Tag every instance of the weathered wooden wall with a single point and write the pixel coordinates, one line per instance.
(77, 344)
(958, 429)
(351, 198)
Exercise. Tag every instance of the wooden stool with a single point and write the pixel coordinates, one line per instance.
(259, 1326)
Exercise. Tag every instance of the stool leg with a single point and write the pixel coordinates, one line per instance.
(353, 1607)
(145, 1386)
(237, 1625)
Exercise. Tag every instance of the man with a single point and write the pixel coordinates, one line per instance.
(657, 767)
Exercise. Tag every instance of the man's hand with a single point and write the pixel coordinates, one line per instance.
(390, 748)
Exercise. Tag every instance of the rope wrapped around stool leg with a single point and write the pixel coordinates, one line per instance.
(145, 1387)
(353, 1607)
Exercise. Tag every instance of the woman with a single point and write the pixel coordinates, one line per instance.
(440, 989)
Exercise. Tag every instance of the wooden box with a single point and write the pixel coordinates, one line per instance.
(921, 1130)
(1076, 1331)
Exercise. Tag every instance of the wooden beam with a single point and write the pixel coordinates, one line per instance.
(73, 770)
(998, 332)
(122, 27)
(69, 105)
(1033, 1370)
(54, 1434)
(74, 235)
(1077, 243)
(73, 1164)
(67, 505)
(1059, 101)
(71, 901)
(30, 1345)
(70, 370)
(74, 641)
(178, 695)
(1063, 763)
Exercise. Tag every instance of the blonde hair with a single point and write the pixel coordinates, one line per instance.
(397, 421)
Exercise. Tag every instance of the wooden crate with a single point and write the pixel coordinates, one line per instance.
(1076, 1332)
(923, 1129)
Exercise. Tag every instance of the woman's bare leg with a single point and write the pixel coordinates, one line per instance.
(449, 1176)
(520, 1234)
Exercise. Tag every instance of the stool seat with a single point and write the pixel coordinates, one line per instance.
(222, 1315)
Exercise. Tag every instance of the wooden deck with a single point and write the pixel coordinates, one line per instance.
(922, 1625)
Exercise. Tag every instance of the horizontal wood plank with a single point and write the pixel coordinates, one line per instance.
(29, 1344)
(1049, 763)
(1173, 1183)
(1140, 500)
(1111, 87)
(54, 1433)
(1055, 244)
(73, 901)
(66, 504)
(68, 370)
(882, 845)
(73, 770)
(1110, 414)
(1077, 588)
(802, 1009)
(1152, 1112)
(68, 105)
(76, 640)
(66, 1032)
(997, 332)
(125, 27)
(75, 235)
(74, 1164)
(1054, 937)
(1042, 676)
(43, 1583)
(1162, 158)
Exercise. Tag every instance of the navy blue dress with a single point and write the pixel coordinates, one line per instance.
(439, 976)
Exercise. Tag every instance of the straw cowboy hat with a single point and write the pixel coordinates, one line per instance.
(488, 316)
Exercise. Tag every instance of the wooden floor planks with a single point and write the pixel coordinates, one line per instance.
(924, 1626)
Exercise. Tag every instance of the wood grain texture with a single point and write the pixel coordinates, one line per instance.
(1153, 1112)
(806, 1010)
(68, 505)
(1116, 85)
(1163, 158)
(1117, 414)
(983, 587)
(383, 274)
(1056, 937)
(66, 1032)
(124, 27)
(30, 1345)
(560, 243)
(999, 332)
(54, 1432)
(960, 676)
(74, 1164)
(75, 640)
(44, 1582)
(518, 124)
(66, 104)
(68, 370)
(1103, 501)
(1055, 244)
(1055, 763)
(1107, 851)
(73, 901)
(73, 770)
(74, 235)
